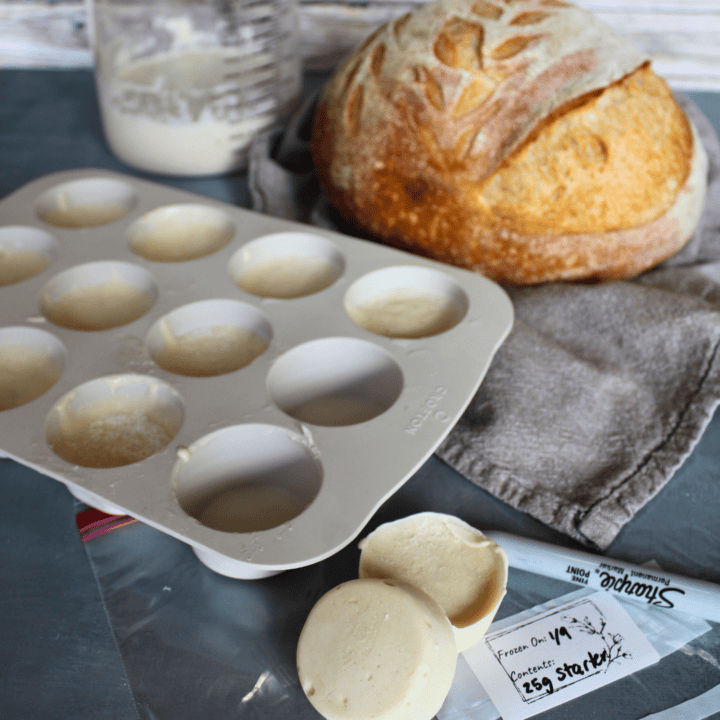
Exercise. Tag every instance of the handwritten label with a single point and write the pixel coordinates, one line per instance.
(544, 661)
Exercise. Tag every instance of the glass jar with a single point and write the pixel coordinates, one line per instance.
(184, 85)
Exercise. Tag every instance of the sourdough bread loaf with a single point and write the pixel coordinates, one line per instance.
(524, 139)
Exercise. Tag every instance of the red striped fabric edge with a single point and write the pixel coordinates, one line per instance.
(92, 523)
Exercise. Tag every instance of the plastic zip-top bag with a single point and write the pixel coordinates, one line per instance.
(194, 643)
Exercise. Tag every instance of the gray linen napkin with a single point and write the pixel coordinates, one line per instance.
(600, 391)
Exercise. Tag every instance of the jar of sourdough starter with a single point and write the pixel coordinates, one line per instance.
(184, 85)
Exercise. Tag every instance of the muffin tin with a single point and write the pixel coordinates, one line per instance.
(251, 386)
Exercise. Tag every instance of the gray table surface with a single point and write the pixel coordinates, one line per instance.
(58, 656)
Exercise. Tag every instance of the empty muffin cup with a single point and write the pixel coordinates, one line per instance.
(246, 478)
(114, 421)
(24, 253)
(208, 338)
(286, 265)
(85, 203)
(176, 233)
(31, 362)
(406, 302)
(335, 381)
(98, 296)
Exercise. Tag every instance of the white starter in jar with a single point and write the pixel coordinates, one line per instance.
(182, 112)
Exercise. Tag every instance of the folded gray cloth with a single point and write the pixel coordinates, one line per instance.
(600, 391)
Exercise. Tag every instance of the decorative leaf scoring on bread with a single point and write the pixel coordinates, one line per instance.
(353, 110)
(530, 18)
(514, 46)
(473, 96)
(487, 10)
(370, 40)
(433, 89)
(460, 44)
(459, 124)
(376, 59)
(459, 84)
(400, 23)
(352, 73)
(463, 146)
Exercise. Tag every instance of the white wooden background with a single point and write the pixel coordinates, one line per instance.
(682, 36)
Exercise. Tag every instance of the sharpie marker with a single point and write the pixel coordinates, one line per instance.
(630, 582)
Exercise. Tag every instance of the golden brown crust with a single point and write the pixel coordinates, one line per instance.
(616, 161)
(477, 133)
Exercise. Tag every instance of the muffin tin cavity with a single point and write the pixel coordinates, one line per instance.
(286, 265)
(98, 296)
(254, 387)
(177, 233)
(207, 338)
(335, 381)
(114, 421)
(247, 478)
(86, 203)
(24, 253)
(406, 302)
(31, 362)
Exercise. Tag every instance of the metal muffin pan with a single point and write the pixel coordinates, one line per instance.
(223, 375)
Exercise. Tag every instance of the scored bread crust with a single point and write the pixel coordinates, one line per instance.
(520, 138)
